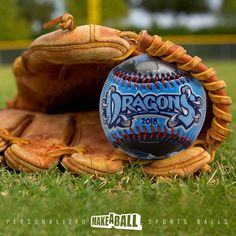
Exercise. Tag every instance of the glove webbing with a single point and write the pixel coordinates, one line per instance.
(172, 53)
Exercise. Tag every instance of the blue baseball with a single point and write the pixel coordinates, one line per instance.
(151, 109)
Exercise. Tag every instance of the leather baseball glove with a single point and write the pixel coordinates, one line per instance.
(54, 119)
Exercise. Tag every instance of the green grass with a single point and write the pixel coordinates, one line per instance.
(199, 205)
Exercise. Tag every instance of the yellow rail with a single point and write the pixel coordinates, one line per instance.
(94, 11)
(179, 39)
(202, 39)
(14, 44)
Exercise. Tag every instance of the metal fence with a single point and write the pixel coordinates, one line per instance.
(220, 47)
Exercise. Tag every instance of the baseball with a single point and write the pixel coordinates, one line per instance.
(151, 109)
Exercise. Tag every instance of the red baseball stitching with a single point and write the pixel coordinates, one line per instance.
(120, 137)
(147, 79)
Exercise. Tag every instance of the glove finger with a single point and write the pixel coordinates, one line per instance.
(17, 164)
(77, 46)
(100, 157)
(74, 166)
(92, 164)
(182, 164)
(29, 160)
(45, 133)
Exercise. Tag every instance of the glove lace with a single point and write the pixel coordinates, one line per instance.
(169, 52)
(66, 22)
(14, 140)
(62, 151)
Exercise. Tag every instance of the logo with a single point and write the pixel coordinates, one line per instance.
(179, 109)
(130, 221)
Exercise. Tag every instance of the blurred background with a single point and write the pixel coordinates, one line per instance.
(206, 28)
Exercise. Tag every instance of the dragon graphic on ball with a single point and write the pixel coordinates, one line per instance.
(151, 109)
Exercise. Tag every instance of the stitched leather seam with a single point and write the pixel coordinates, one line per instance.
(69, 47)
